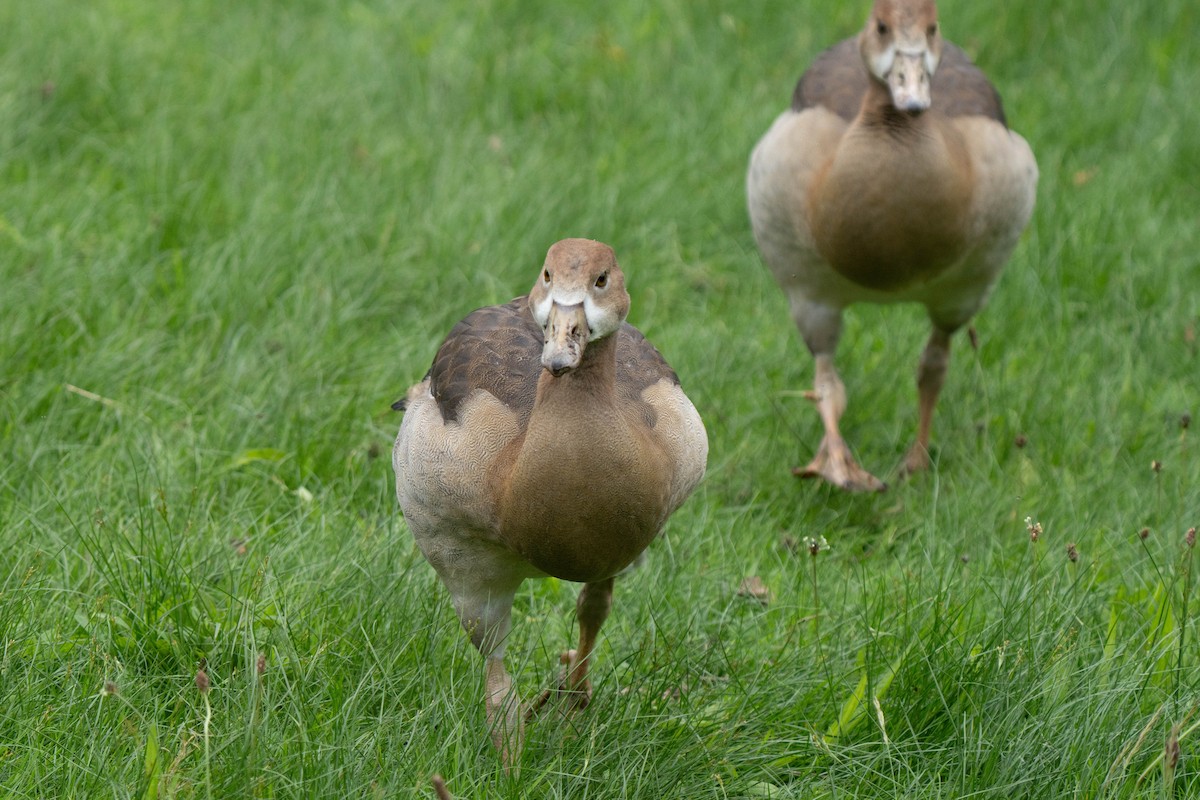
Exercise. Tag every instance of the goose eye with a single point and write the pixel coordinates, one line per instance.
(546, 275)
(932, 30)
(882, 27)
(602, 281)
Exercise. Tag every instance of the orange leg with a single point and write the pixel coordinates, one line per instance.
(931, 375)
(592, 607)
(485, 612)
(504, 717)
(833, 461)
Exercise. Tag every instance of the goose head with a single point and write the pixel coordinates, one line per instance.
(578, 298)
(901, 45)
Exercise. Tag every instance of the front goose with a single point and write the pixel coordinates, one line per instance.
(892, 178)
(548, 438)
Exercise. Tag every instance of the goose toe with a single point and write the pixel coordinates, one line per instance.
(834, 464)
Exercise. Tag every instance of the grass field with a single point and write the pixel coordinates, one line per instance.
(231, 234)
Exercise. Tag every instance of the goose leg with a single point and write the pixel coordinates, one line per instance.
(834, 461)
(592, 607)
(931, 375)
(821, 326)
(504, 718)
(486, 616)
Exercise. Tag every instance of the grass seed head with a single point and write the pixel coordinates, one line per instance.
(1034, 528)
(202, 682)
(1189, 538)
(1144, 534)
(1185, 421)
(260, 666)
(1021, 441)
(1171, 751)
(439, 788)
(1156, 466)
(1072, 552)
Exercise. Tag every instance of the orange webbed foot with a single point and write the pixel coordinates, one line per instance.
(835, 464)
(573, 687)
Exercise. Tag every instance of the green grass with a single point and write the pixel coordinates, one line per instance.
(232, 234)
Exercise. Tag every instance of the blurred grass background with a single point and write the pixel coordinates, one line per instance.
(231, 235)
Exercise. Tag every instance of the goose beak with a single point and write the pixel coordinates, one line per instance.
(908, 81)
(566, 337)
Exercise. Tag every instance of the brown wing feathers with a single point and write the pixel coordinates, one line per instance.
(498, 349)
(838, 80)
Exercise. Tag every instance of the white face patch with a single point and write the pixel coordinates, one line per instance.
(541, 310)
(919, 50)
(931, 62)
(881, 63)
(910, 73)
(601, 321)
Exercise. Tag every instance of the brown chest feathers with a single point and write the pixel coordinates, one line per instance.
(891, 208)
(586, 492)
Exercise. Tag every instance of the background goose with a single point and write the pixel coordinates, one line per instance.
(548, 438)
(893, 177)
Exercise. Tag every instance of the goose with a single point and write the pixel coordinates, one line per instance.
(549, 438)
(893, 177)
